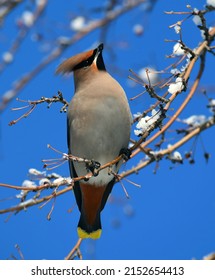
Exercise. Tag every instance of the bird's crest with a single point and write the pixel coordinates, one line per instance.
(82, 60)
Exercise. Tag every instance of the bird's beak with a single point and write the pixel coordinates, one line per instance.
(99, 50)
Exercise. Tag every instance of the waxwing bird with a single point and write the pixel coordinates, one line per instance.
(98, 129)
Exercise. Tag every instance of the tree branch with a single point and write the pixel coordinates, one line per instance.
(200, 52)
(58, 51)
(169, 150)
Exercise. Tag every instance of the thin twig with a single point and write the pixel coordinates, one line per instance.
(33, 104)
(70, 256)
(19, 251)
(58, 51)
(170, 149)
(200, 52)
(23, 32)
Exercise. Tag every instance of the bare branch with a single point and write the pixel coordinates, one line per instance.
(7, 7)
(23, 32)
(57, 52)
(200, 52)
(196, 131)
(33, 104)
(75, 251)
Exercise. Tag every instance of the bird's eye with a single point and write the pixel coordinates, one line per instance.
(86, 63)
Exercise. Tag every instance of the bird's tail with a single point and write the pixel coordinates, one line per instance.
(91, 200)
(89, 231)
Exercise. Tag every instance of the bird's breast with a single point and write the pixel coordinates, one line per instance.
(98, 128)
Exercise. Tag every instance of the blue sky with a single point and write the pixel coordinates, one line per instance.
(172, 215)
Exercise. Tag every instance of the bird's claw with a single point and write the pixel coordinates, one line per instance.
(126, 153)
(93, 167)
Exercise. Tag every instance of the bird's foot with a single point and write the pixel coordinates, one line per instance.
(126, 153)
(93, 167)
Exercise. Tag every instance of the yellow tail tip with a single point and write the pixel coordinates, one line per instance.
(94, 235)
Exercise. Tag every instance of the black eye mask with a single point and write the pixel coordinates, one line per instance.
(87, 62)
